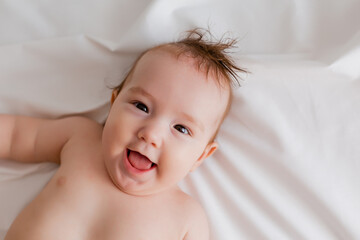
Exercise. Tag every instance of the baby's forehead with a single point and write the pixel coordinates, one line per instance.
(169, 57)
(186, 57)
(170, 51)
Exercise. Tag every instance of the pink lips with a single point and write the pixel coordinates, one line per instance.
(132, 167)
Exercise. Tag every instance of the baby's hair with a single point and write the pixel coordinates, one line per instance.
(211, 56)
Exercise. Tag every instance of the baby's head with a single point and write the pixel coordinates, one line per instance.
(166, 113)
(207, 57)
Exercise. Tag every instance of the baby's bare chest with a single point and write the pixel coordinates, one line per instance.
(81, 207)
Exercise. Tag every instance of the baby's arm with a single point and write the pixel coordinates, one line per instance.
(27, 139)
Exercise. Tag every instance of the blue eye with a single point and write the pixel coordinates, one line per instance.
(182, 129)
(141, 106)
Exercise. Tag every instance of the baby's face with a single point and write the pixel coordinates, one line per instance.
(160, 124)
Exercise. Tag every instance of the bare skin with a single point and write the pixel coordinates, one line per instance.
(97, 193)
(80, 202)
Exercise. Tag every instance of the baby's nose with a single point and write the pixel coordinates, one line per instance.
(152, 133)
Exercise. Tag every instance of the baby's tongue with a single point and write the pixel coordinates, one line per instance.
(139, 161)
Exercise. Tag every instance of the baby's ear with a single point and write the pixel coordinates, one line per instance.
(208, 151)
(114, 94)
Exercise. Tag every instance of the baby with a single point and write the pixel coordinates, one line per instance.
(119, 181)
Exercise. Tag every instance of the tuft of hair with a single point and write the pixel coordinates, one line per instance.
(212, 55)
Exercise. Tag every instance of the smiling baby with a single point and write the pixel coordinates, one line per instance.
(119, 180)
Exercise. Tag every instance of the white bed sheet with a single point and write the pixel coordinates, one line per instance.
(288, 164)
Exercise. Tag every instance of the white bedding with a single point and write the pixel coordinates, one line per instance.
(288, 164)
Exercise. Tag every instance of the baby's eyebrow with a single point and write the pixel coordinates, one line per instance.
(193, 120)
(141, 91)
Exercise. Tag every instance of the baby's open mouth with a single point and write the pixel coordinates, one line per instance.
(139, 161)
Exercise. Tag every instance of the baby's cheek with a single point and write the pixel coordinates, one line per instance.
(192, 155)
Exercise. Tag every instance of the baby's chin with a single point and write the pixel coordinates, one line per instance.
(144, 192)
(138, 190)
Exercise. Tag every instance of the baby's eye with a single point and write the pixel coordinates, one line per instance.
(141, 106)
(182, 129)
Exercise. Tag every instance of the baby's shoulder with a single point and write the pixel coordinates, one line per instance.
(85, 136)
(84, 123)
(188, 203)
(82, 126)
(196, 218)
